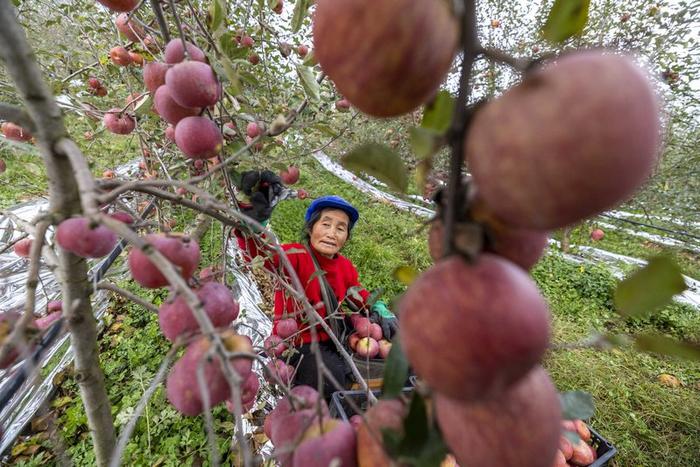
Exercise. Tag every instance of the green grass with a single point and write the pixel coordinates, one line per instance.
(651, 424)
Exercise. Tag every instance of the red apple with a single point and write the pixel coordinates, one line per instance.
(325, 443)
(562, 176)
(367, 347)
(372, 77)
(353, 339)
(375, 331)
(120, 56)
(527, 414)
(362, 325)
(302, 50)
(503, 331)
(129, 28)
(181, 251)
(120, 5)
(287, 327)
(290, 175)
(597, 234)
(22, 247)
(274, 345)
(384, 348)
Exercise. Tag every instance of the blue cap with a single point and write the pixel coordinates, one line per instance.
(335, 202)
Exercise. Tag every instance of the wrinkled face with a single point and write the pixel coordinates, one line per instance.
(330, 232)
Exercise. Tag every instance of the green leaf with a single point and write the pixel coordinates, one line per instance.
(576, 405)
(224, 67)
(566, 18)
(405, 274)
(667, 346)
(649, 288)
(379, 161)
(325, 129)
(308, 81)
(395, 370)
(217, 13)
(424, 142)
(438, 113)
(421, 444)
(310, 59)
(300, 9)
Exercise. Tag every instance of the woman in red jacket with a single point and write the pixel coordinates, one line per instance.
(329, 221)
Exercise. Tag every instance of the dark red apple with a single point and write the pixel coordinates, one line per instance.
(597, 235)
(274, 345)
(527, 415)
(192, 84)
(81, 238)
(175, 52)
(169, 109)
(118, 122)
(290, 175)
(154, 75)
(287, 327)
(129, 28)
(120, 5)
(181, 251)
(385, 78)
(325, 443)
(198, 137)
(492, 328)
(23, 247)
(564, 176)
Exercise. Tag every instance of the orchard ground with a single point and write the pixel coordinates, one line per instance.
(649, 422)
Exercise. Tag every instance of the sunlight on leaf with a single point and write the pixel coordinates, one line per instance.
(378, 161)
(649, 288)
(405, 274)
(566, 18)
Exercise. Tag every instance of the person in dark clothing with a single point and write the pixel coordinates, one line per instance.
(329, 221)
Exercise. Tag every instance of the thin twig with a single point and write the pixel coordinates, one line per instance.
(126, 294)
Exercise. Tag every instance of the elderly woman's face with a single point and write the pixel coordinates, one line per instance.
(330, 232)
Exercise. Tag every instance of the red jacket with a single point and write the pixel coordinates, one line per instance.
(339, 272)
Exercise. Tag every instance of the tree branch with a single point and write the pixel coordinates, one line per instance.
(470, 49)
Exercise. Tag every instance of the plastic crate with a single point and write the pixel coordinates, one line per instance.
(341, 409)
(603, 448)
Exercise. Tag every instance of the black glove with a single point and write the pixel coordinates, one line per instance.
(381, 315)
(259, 192)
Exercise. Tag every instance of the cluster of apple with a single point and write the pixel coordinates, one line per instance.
(304, 434)
(368, 340)
(543, 168)
(580, 453)
(579, 135)
(275, 347)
